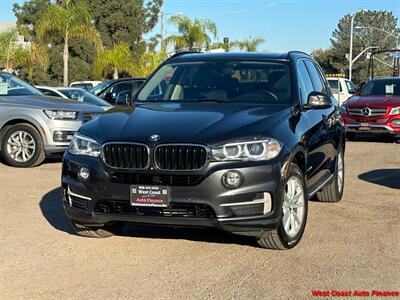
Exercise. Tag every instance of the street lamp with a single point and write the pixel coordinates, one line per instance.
(351, 41)
(162, 15)
(382, 30)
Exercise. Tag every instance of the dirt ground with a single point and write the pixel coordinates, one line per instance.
(351, 245)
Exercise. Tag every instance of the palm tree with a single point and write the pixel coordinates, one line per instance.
(9, 49)
(67, 20)
(191, 35)
(148, 62)
(116, 60)
(248, 45)
(34, 55)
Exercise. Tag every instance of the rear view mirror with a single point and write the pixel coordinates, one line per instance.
(317, 100)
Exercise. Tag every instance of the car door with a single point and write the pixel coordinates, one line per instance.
(317, 136)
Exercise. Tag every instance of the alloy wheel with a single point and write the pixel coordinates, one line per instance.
(293, 206)
(21, 146)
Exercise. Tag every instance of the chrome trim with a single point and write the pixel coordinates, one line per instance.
(208, 159)
(70, 193)
(125, 143)
(367, 111)
(372, 126)
(257, 201)
(242, 218)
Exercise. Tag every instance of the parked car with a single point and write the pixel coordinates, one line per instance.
(375, 109)
(33, 125)
(87, 85)
(238, 142)
(342, 88)
(76, 94)
(110, 90)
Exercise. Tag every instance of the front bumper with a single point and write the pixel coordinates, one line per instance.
(377, 125)
(240, 211)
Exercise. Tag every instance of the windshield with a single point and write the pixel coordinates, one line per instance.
(222, 81)
(86, 86)
(100, 87)
(84, 96)
(13, 86)
(382, 87)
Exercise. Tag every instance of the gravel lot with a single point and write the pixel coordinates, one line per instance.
(350, 245)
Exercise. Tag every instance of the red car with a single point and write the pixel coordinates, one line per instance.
(375, 109)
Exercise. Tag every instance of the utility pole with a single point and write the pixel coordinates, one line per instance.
(351, 42)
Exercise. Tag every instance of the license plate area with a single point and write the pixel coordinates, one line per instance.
(364, 126)
(149, 195)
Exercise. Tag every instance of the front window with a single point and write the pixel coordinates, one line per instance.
(222, 81)
(350, 87)
(13, 86)
(382, 87)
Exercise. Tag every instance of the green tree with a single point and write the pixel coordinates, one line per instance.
(192, 34)
(117, 59)
(363, 38)
(148, 62)
(326, 59)
(66, 21)
(248, 45)
(125, 21)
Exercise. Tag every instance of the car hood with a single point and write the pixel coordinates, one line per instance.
(185, 122)
(47, 102)
(373, 101)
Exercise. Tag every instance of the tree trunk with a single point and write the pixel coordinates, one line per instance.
(65, 58)
(115, 75)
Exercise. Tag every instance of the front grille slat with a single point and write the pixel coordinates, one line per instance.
(180, 157)
(125, 156)
(373, 111)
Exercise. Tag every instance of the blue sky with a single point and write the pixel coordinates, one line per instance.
(284, 24)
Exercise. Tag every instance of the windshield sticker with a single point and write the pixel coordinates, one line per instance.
(3, 88)
(389, 89)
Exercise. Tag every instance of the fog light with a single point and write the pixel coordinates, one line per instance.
(232, 179)
(83, 174)
(396, 122)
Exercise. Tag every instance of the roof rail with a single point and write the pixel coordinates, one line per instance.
(183, 52)
(299, 52)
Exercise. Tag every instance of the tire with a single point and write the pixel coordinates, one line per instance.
(287, 237)
(333, 192)
(31, 152)
(97, 232)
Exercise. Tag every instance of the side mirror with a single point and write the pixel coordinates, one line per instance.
(123, 98)
(317, 100)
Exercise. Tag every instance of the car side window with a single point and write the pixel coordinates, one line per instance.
(316, 77)
(49, 93)
(305, 83)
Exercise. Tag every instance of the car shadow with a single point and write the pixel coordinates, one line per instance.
(53, 212)
(386, 177)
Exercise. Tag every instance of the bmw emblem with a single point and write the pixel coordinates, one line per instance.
(154, 137)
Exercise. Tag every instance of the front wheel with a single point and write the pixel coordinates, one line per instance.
(22, 146)
(294, 214)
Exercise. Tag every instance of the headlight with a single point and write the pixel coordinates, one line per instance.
(82, 145)
(395, 111)
(342, 109)
(255, 150)
(61, 114)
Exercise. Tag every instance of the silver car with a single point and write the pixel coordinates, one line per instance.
(33, 125)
